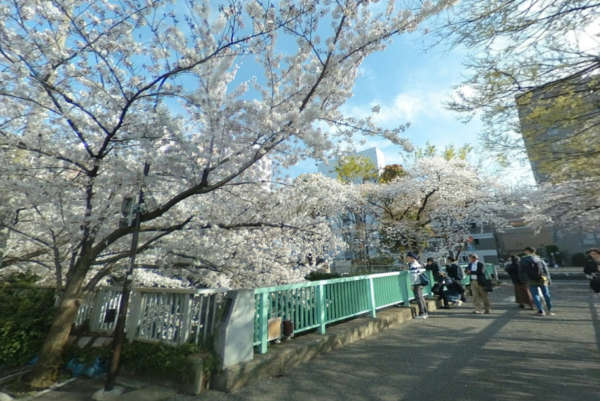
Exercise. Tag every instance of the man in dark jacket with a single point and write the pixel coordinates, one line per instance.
(457, 274)
(476, 270)
(533, 270)
(434, 267)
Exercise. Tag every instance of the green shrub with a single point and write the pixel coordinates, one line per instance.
(316, 276)
(384, 260)
(26, 312)
(149, 360)
(158, 360)
(88, 354)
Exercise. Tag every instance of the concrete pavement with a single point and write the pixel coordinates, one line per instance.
(455, 355)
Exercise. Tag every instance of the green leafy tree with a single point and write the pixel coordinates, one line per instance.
(356, 168)
(544, 54)
(428, 150)
(391, 172)
(25, 317)
(450, 152)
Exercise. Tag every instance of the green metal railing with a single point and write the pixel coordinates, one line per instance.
(315, 304)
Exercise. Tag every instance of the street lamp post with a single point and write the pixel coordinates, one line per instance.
(119, 333)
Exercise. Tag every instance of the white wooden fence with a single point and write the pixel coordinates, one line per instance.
(173, 316)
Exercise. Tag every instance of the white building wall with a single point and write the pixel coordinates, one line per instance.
(373, 154)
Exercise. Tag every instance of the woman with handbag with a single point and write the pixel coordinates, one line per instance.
(416, 270)
(522, 294)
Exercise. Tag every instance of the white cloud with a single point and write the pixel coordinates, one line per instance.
(405, 106)
(588, 38)
(465, 90)
(409, 107)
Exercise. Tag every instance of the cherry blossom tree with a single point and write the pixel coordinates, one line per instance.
(200, 91)
(432, 206)
(355, 225)
(428, 206)
(258, 238)
(572, 204)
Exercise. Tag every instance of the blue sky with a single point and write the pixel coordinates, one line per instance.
(410, 82)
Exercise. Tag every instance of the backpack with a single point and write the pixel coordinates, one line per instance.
(536, 269)
(455, 271)
(595, 283)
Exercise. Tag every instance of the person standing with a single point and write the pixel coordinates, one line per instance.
(415, 269)
(476, 270)
(522, 294)
(537, 276)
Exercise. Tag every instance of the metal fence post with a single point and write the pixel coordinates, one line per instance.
(97, 303)
(264, 322)
(431, 282)
(372, 298)
(134, 314)
(407, 285)
(321, 306)
(187, 318)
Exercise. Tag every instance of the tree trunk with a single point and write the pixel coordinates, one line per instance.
(46, 370)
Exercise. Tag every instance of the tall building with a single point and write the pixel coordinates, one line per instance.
(373, 154)
(482, 242)
(560, 125)
(514, 239)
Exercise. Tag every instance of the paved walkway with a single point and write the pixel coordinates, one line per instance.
(510, 355)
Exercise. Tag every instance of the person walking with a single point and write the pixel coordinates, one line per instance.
(522, 294)
(537, 276)
(476, 270)
(415, 270)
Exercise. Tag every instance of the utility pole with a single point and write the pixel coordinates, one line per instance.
(119, 333)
